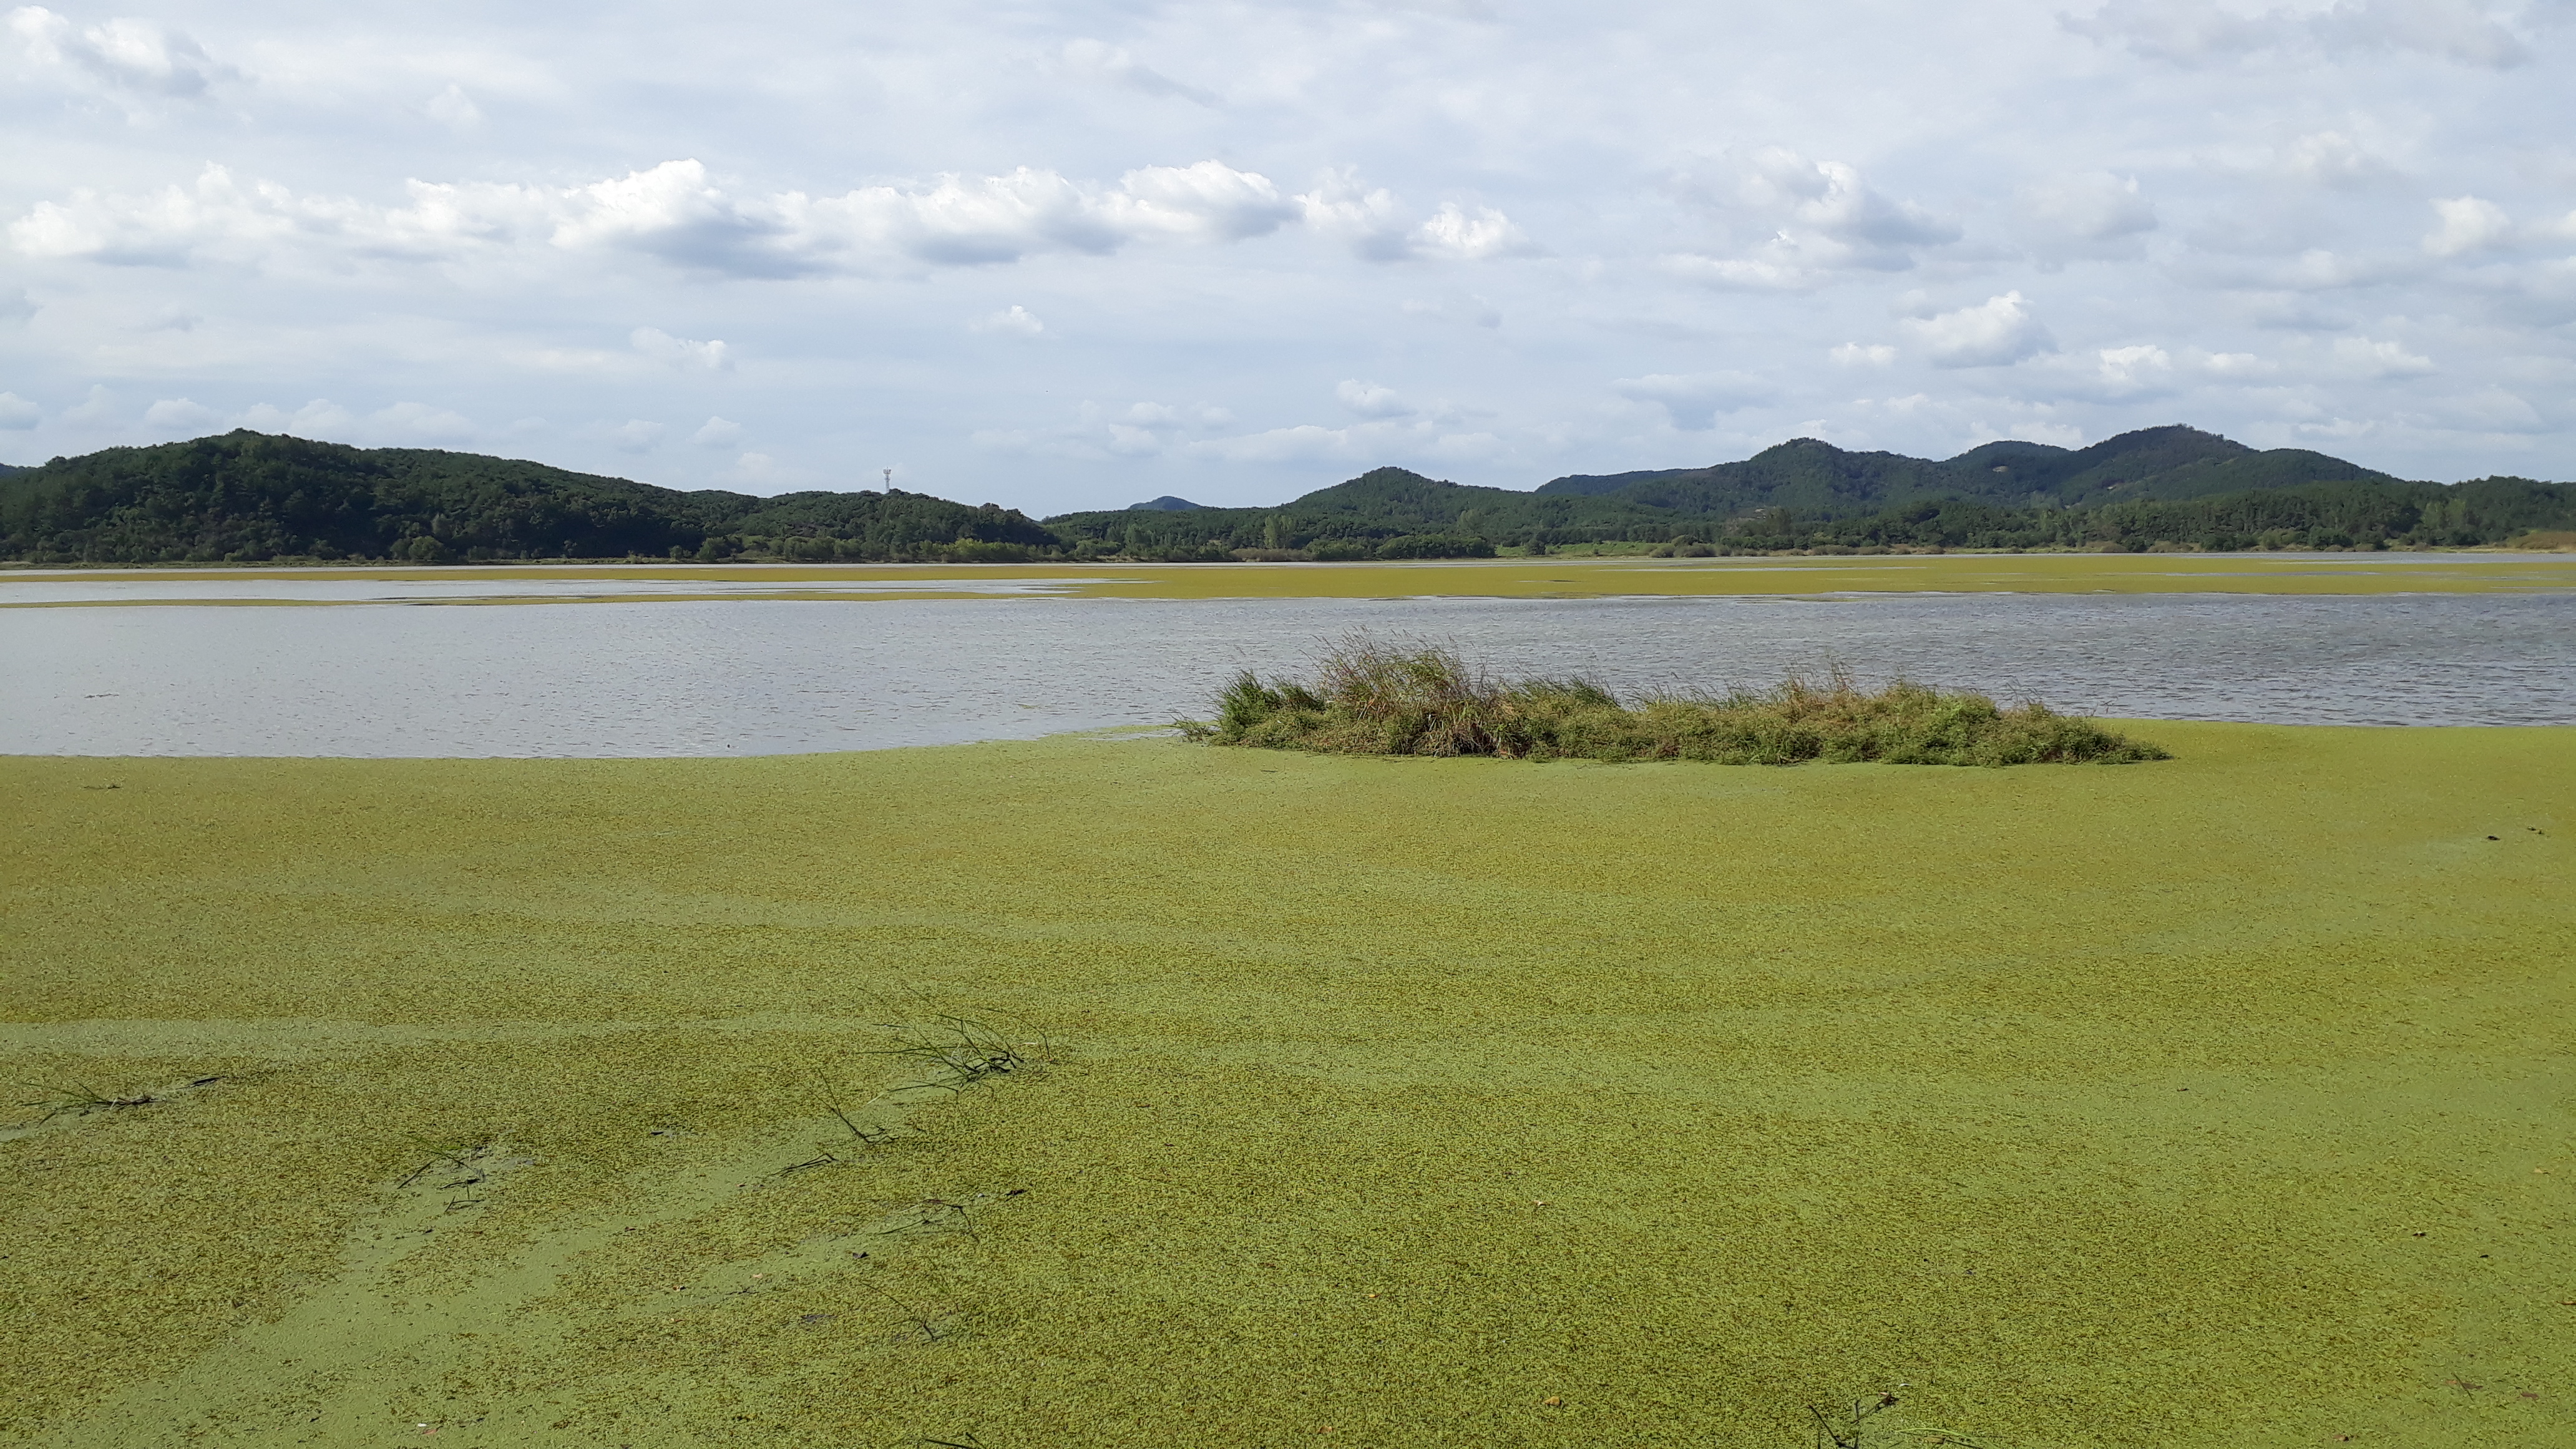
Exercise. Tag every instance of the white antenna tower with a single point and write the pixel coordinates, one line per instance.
(889, 480)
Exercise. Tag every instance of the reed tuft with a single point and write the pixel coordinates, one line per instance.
(1373, 697)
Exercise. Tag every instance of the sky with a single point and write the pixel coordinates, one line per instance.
(1076, 255)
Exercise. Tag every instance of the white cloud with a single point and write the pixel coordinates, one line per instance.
(1306, 442)
(17, 308)
(1207, 201)
(1819, 221)
(320, 418)
(421, 422)
(2130, 368)
(1855, 354)
(1377, 227)
(1371, 221)
(635, 435)
(1370, 400)
(1995, 333)
(178, 414)
(1830, 198)
(1456, 233)
(716, 432)
(2235, 365)
(2091, 206)
(2380, 359)
(1420, 437)
(758, 470)
(98, 407)
(2059, 435)
(17, 414)
(683, 352)
(676, 213)
(132, 58)
(1693, 400)
(161, 228)
(1018, 321)
(2467, 224)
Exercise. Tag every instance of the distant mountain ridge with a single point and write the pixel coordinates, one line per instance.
(246, 497)
(1805, 478)
(1820, 479)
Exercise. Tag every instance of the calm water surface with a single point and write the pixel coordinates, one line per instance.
(745, 677)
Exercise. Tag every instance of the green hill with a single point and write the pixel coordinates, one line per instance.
(1366, 513)
(1807, 492)
(2352, 513)
(247, 497)
(1818, 480)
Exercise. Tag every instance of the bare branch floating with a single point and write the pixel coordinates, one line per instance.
(1374, 697)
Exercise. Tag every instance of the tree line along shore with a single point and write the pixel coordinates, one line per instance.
(247, 497)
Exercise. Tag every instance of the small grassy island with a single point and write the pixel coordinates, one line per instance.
(1377, 698)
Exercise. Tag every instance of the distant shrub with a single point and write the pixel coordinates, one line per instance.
(968, 550)
(1374, 698)
(1336, 550)
(1434, 545)
(1184, 553)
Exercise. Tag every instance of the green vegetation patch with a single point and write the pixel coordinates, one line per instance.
(1376, 698)
(2223, 1105)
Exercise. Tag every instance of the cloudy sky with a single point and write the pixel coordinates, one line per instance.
(1066, 255)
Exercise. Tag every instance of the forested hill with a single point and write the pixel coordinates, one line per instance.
(1822, 481)
(1793, 491)
(248, 496)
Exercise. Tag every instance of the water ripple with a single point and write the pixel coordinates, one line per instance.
(750, 677)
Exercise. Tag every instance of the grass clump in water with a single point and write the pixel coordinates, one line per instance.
(1372, 697)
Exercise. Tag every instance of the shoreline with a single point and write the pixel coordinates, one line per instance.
(2462, 571)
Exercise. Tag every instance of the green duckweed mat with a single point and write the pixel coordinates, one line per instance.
(2217, 1102)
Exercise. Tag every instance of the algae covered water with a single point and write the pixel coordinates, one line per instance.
(764, 676)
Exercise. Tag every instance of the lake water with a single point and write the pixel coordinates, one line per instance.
(742, 677)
